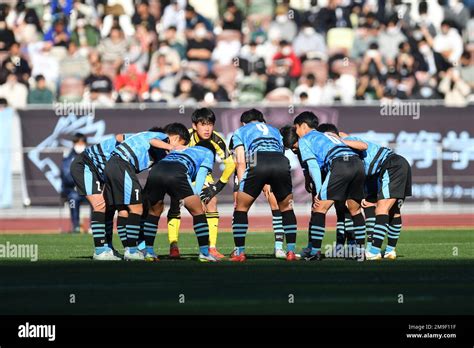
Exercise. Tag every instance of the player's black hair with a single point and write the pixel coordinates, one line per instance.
(79, 137)
(307, 117)
(328, 127)
(204, 115)
(290, 138)
(178, 129)
(252, 115)
(208, 145)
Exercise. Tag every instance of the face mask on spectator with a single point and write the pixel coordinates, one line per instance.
(392, 30)
(79, 148)
(424, 49)
(281, 18)
(286, 51)
(126, 96)
(200, 33)
(308, 31)
(155, 96)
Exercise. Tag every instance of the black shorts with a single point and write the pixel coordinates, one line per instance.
(168, 178)
(394, 178)
(122, 185)
(344, 180)
(86, 177)
(271, 168)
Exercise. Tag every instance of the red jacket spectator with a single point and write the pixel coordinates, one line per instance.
(294, 61)
(132, 80)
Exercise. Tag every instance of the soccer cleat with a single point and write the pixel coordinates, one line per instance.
(174, 251)
(291, 256)
(315, 257)
(235, 257)
(150, 256)
(372, 257)
(280, 254)
(106, 256)
(207, 258)
(136, 256)
(214, 252)
(305, 252)
(391, 255)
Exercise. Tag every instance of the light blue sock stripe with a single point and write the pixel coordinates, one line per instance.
(240, 225)
(202, 234)
(148, 234)
(238, 235)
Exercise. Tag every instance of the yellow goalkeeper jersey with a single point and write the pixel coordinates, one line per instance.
(221, 150)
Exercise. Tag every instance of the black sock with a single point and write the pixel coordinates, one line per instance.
(317, 227)
(340, 228)
(98, 228)
(290, 227)
(109, 227)
(394, 229)
(201, 228)
(133, 229)
(369, 222)
(278, 230)
(380, 230)
(122, 230)
(150, 227)
(240, 224)
(359, 229)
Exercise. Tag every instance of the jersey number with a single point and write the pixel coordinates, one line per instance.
(137, 191)
(98, 185)
(263, 128)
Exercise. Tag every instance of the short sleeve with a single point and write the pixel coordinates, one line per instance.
(305, 149)
(208, 160)
(236, 140)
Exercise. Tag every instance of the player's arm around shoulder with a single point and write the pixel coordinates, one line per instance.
(354, 143)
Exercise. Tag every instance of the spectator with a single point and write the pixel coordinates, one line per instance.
(187, 92)
(390, 39)
(250, 61)
(41, 94)
(114, 48)
(74, 64)
(199, 47)
(172, 41)
(467, 69)
(58, 34)
(131, 84)
(84, 34)
(214, 91)
(312, 91)
(285, 28)
(428, 60)
(225, 51)
(448, 42)
(232, 18)
(457, 13)
(173, 15)
(163, 70)
(99, 87)
(143, 17)
(193, 18)
(309, 44)
(7, 38)
(14, 92)
(156, 96)
(455, 90)
(285, 56)
(68, 191)
(16, 64)
(43, 62)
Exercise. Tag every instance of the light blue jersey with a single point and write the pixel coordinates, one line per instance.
(258, 137)
(135, 149)
(193, 158)
(100, 153)
(373, 157)
(323, 147)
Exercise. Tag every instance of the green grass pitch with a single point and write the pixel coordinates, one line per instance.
(434, 274)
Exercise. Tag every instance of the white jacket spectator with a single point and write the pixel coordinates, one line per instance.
(449, 43)
(173, 16)
(455, 90)
(14, 92)
(43, 62)
(389, 40)
(226, 51)
(309, 43)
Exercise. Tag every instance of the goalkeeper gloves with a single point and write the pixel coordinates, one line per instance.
(210, 191)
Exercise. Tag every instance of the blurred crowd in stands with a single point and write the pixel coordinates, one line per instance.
(312, 52)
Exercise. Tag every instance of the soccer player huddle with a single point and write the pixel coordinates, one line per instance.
(366, 183)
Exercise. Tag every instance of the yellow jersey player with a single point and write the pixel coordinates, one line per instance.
(203, 121)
